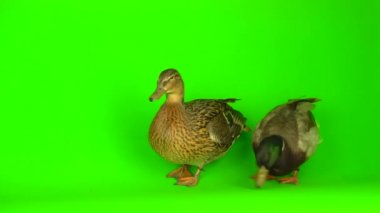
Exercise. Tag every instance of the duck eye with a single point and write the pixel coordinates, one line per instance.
(164, 82)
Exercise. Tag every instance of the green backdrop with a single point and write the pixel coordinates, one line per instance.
(75, 77)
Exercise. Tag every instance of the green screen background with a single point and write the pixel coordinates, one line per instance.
(75, 77)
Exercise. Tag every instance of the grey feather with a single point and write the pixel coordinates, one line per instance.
(294, 122)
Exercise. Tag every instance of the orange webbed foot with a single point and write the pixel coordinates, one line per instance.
(293, 179)
(187, 181)
(181, 172)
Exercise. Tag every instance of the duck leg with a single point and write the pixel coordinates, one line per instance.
(189, 181)
(292, 179)
(181, 172)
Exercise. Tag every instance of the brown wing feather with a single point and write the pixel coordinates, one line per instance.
(224, 124)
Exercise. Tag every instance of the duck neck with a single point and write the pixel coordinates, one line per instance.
(174, 99)
(269, 151)
(175, 96)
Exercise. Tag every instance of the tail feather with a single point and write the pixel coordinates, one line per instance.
(302, 105)
(229, 100)
(310, 100)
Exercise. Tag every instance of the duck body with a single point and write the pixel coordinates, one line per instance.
(195, 133)
(192, 133)
(285, 138)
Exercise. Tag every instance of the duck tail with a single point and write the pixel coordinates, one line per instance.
(310, 100)
(303, 105)
(229, 100)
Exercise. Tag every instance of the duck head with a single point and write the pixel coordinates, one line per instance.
(267, 154)
(171, 84)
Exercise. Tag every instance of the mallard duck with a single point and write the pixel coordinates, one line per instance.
(284, 140)
(192, 133)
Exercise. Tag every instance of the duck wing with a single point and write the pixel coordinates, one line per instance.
(308, 131)
(221, 121)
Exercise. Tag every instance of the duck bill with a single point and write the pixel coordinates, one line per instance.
(156, 95)
(261, 176)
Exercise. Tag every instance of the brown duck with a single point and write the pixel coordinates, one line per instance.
(284, 140)
(192, 133)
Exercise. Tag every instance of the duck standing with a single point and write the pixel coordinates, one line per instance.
(193, 133)
(284, 140)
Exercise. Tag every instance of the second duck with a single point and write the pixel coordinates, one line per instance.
(284, 140)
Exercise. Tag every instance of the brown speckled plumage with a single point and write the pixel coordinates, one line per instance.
(192, 133)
